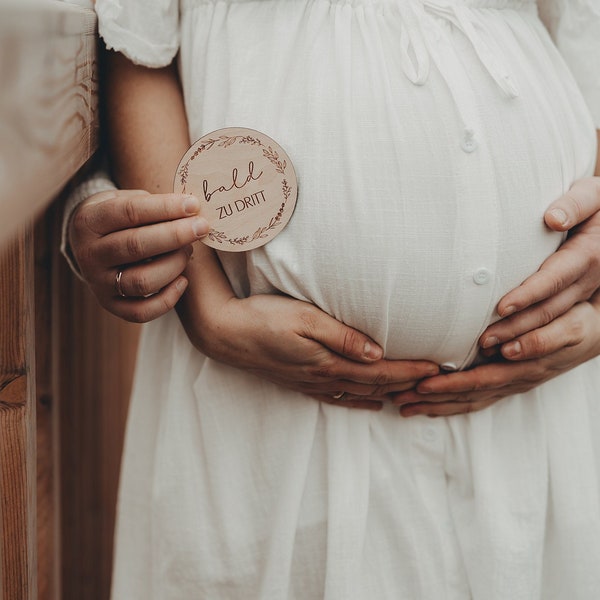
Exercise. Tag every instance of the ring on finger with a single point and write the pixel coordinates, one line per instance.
(118, 287)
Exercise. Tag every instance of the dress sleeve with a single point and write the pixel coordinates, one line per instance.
(575, 28)
(145, 31)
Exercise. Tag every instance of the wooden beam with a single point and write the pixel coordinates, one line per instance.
(17, 423)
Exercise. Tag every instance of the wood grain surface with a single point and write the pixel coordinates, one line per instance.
(48, 129)
(17, 421)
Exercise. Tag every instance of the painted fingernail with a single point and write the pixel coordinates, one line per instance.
(372, 352)
(181, 284)
(490, 341)
(512, 349)
(191, 205)
(200, 227)
(560, 215)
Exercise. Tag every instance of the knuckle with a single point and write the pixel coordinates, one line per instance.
(545, 315)
(578, 331)
(140, 285)
(134, 246)
(325, 370)
(80, 220)
(577, 205)
(350, 341)
(555, 282)
(536, 344)
(130, 212)
(308, 318)
(380, 380)
(593, 263)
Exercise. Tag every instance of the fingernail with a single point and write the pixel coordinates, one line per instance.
(191, 205)
(200, 227)
(560, 216)
(509, 310)
(512, 349)
(490, 341)
(408, 411)
(181, 284)
(372, 352)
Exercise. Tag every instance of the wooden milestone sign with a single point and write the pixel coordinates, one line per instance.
(246, 184)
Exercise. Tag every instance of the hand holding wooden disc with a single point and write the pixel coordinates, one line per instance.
(246, 184)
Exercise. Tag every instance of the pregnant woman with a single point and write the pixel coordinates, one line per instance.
(428, 138)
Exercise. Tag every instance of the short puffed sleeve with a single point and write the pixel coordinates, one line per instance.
(575, 27)
(146, 31)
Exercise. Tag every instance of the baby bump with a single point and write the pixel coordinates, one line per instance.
(419, 206)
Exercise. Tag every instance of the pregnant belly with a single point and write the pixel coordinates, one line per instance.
(416, 253)
(419, 267)
(418, 208)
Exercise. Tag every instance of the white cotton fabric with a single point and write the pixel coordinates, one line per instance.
(428, 138)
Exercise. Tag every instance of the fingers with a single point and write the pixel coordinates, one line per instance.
(127, 209)
(352, 389)
(494, 376)
(567, 330)
(445, 409)
(145, 236)
(558, 272)
(574, 207)
(535, 316)
(339, 338)
(138, 244)
(361, 403)
(383, 377)
(149, 278)
(142, 310)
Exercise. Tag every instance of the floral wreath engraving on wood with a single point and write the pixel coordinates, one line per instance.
(280, 165)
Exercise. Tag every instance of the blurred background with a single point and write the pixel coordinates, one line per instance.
(65, 365)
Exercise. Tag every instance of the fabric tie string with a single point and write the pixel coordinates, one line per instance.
(415, 58)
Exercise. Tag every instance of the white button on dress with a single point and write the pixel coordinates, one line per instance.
(482, 276)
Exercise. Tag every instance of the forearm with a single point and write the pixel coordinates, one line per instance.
(147, 124)
(148, 136)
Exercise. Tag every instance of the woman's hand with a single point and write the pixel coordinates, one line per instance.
(569, 276)
(568, 341)
(295, 344)
(145, 236)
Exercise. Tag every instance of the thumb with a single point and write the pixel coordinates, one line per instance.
(578, 204)
(341, 339)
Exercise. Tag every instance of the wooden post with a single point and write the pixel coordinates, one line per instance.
(49, 124)
(18, 567)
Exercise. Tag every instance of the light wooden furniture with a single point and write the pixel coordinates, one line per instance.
(65, 365)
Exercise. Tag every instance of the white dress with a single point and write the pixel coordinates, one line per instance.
(428, 137)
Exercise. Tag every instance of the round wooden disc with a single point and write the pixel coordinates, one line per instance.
(246, 184)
